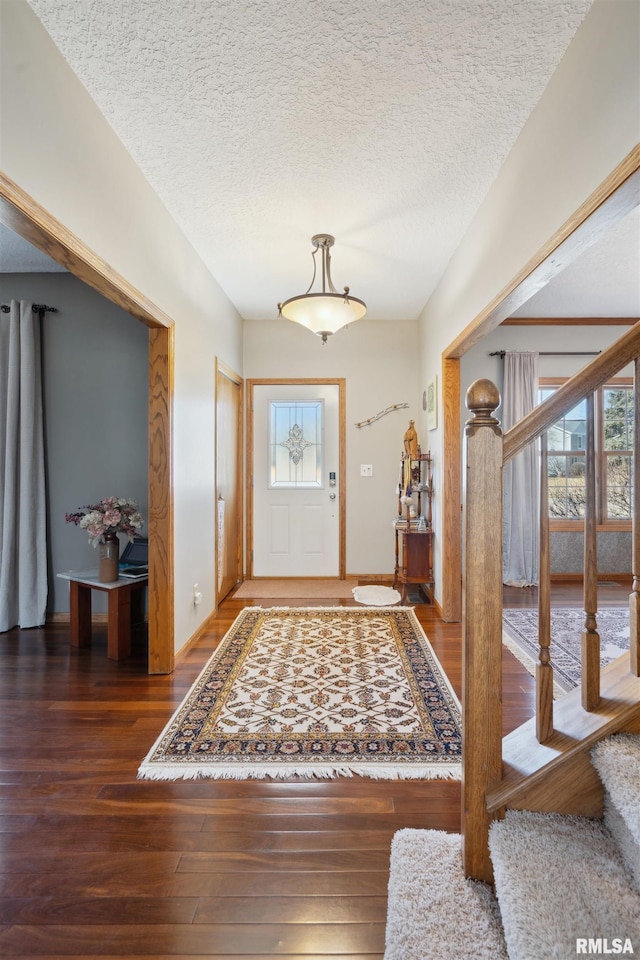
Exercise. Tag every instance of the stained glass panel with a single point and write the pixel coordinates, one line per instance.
(295, 443)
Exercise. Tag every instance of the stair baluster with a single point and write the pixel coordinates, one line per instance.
(590, 635)
(544, 670)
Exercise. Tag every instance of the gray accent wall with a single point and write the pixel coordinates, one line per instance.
(613, 546)
(95, 380)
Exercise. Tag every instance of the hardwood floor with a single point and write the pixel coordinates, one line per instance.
(98, 864)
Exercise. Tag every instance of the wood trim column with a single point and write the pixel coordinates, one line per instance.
(161, 580)
(451, 495)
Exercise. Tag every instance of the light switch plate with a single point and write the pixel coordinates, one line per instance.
(366, 469)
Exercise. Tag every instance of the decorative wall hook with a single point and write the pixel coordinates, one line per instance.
(394, 406)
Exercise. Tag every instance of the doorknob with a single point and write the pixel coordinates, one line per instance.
(332, 496)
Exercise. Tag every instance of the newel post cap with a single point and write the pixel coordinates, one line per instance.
(481, 399)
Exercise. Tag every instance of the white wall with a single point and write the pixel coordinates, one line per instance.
(586, 122)
(55, 145)
(380, 364)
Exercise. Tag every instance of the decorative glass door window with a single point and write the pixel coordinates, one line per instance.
(295, 443)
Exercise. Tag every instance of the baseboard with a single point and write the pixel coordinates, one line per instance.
(379, 579)
(625, 577)
(193, 639)
(64, 617)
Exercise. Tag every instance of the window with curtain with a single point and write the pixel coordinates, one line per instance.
(614, 458)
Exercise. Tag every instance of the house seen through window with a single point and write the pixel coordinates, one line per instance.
(566, 442)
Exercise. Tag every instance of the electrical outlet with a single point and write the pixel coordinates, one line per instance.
(366, 469)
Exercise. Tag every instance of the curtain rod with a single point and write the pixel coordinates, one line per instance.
(555, 353)
(35, 308)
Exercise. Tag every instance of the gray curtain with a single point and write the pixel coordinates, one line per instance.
(521, 476)
(23, 544)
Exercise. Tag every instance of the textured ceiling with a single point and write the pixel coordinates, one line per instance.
(383, 122)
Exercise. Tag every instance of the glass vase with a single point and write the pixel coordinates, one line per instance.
(109, 558)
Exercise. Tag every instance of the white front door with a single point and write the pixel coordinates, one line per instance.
(296, 454)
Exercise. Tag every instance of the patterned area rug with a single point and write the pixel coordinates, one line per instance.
(520, 635)
(315, 691)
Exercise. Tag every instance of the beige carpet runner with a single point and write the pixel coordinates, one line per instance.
(296, 589)
(315, 691)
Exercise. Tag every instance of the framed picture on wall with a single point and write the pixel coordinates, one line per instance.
(432, 403)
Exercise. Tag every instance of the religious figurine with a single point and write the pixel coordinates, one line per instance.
(411, 442)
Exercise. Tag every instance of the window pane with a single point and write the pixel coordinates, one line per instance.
(570, 432)
(566, 487)
(614, 437)
(295, 443)
(619, 486)
(618, 419)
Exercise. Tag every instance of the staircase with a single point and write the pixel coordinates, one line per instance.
(580, 890)
(547, 865)
(544, 765)
(565, 885)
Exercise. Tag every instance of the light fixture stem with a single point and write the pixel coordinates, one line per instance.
(313, 278)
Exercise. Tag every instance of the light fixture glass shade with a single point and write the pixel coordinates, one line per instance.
(326, 312)
(323, 313)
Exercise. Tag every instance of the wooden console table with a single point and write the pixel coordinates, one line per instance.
(124, 599)
(414, 562)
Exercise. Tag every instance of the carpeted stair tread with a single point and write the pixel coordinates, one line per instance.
(433, 912)
(560, 878)
(617, 760)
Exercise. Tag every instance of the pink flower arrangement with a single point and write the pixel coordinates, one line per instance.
(110, 515)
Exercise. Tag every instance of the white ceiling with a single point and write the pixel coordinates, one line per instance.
(383, 122)
(604, 281)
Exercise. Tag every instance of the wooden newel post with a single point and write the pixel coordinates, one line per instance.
(482, 625)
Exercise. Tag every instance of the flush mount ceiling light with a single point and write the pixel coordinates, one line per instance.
(326, 312)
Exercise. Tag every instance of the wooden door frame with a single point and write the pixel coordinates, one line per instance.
(226, 371)
(616, 196)
(340, 382)
(22, 214)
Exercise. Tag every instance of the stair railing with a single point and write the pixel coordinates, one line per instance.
(487, 451)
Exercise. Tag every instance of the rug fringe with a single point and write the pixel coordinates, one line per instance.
(275, 771)
(361, 609)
